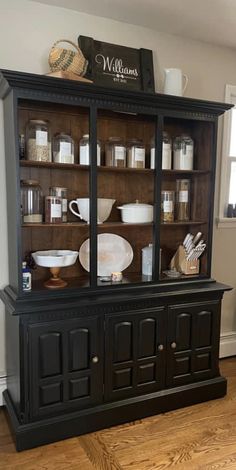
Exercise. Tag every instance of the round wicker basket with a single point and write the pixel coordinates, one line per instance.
(61, 59)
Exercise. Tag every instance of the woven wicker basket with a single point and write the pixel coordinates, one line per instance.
(67, 60)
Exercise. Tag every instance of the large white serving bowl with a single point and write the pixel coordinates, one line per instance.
(55, 258)
(104, 207)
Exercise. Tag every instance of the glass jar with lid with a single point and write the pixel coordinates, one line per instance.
(166, 152)
(38, 141)
(135, 154)
(182, 200)
(167, 206)
(84, 151)
(59, 192)
(31, 202)
(63, 148)
(115, 152)
(183, 152)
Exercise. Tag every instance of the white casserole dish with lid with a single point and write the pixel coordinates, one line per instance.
(136, 213)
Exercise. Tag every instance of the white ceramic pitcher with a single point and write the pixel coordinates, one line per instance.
(173, 84)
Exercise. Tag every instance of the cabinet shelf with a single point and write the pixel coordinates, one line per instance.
(84, 225)
(77, 167)
(112, 224)
(180, 224)
(185, 172)
(83, 281)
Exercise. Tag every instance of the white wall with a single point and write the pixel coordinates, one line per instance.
(28, 30)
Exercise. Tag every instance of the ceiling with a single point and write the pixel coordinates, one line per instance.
(212, 21)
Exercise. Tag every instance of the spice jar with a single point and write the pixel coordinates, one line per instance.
(167, 206)
(38, 141)
(115, 151)
(135, 154)
(61, 193)
(31, 202)
(53, 210)
(84, 151)
(182, 200)
(166, 152)
(63, 148)
(183, 153)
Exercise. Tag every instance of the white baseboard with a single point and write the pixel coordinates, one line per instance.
(228, 344)
(3, 386)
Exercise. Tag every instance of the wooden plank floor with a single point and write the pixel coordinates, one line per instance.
(200, 437)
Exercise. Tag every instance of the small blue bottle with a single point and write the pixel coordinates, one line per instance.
(26, 277)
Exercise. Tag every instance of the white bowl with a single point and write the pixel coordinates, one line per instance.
(104, 207)
(55, 258)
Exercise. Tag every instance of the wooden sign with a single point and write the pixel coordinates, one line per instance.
(118, 66)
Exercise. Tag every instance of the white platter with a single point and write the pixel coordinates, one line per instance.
(114, 254)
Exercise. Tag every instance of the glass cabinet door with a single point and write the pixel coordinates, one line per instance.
(186, 199)
(58, 165)
(126, 207)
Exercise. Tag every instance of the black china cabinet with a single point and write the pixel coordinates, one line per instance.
(94, 354)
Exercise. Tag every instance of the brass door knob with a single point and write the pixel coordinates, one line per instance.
(173, 345)
(95, 359)
(160, 347)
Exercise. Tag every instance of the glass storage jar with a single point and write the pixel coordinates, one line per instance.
(63, 148)
(166, 152)
(115, 152)
(182, 200)
(31, 202)
(84, 151)
(135, 154)
(183, 152)
(38, 137)
(61, 193)
(53, 210)
(147, 260)
(167, 206)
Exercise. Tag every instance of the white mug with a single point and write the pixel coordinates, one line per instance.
(174, 82)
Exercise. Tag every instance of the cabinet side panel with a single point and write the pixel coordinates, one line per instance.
(13, 359)
(13, 191)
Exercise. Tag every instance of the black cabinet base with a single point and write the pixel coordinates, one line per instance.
(80, 422)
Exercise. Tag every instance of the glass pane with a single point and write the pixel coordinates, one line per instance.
(61, 221)
(232, 149)
(186, 196)
(232, 186)
(125, 197)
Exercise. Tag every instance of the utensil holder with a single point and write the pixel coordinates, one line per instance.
(181, 264)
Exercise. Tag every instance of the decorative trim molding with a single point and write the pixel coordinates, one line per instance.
(228, 344)
(3, 386)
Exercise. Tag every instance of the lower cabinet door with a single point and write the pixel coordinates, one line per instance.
(134, 353)
(66, 365)
(193, 342)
